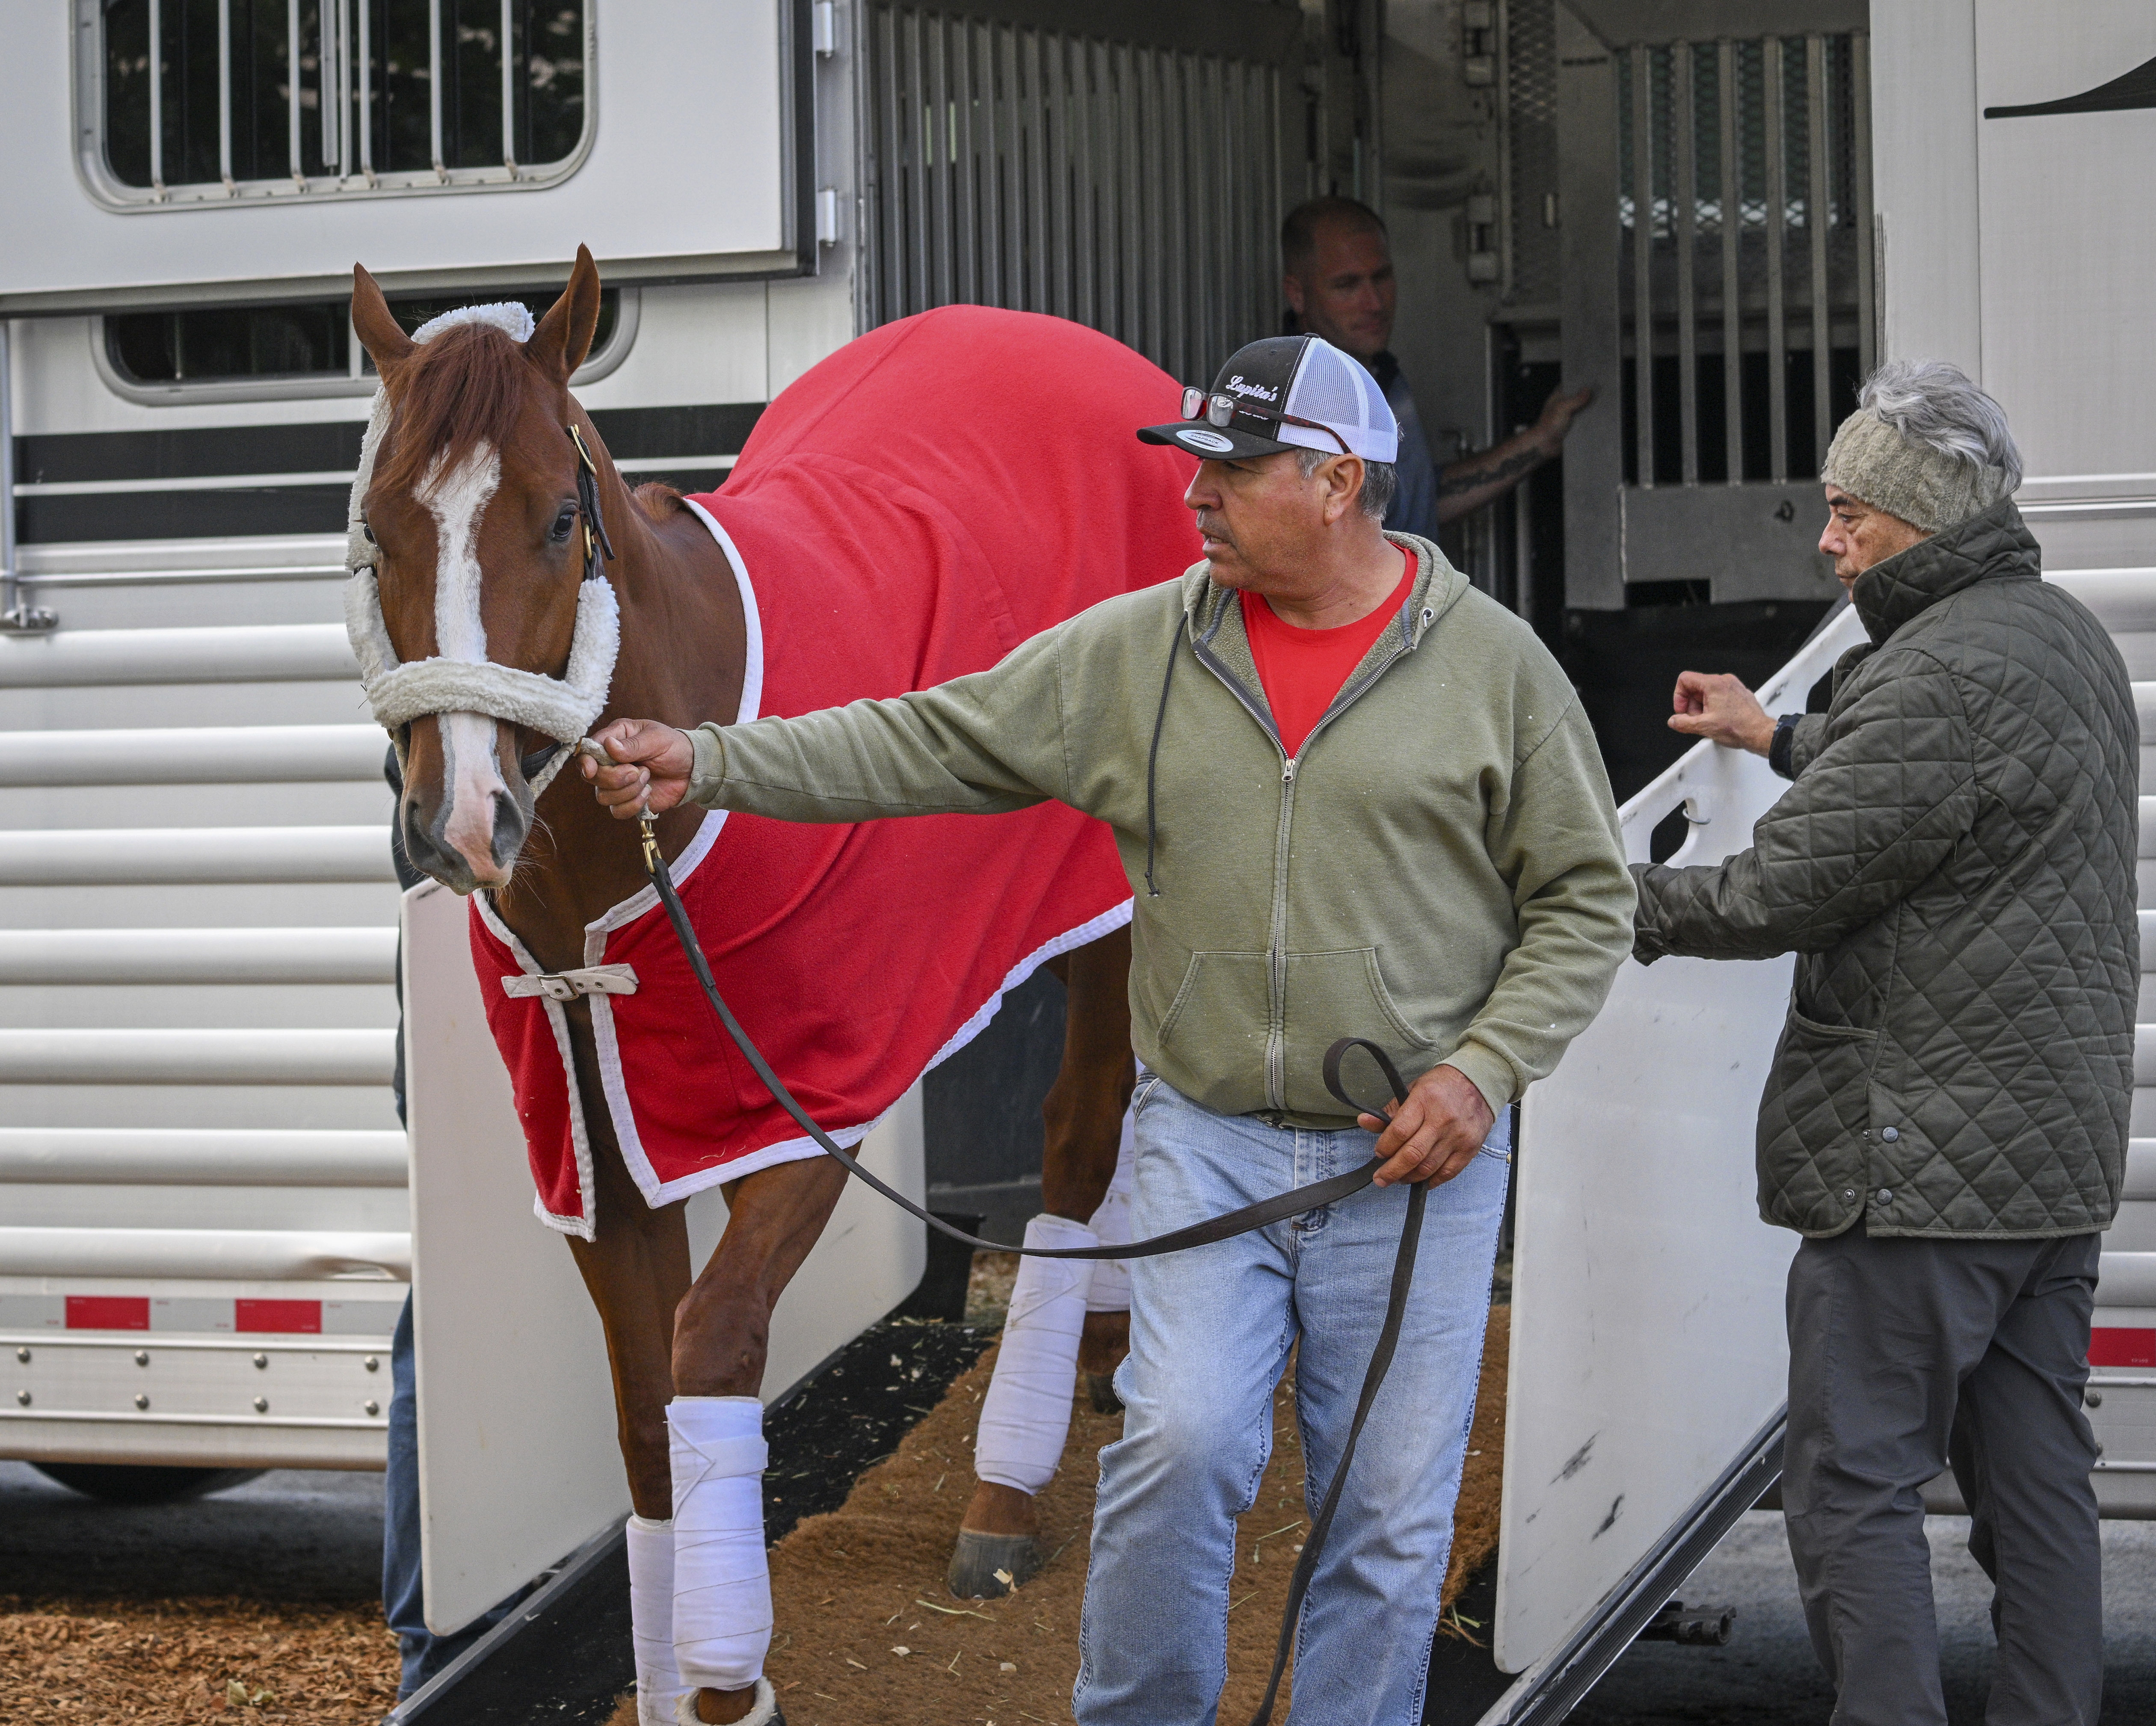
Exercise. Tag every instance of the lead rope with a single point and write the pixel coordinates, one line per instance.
(1313, 1197)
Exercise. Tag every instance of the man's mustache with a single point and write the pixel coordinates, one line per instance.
(1212, 527)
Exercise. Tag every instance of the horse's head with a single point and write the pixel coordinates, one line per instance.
(469, 510)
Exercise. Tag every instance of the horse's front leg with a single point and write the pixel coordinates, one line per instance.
(722, 1330)
(636, 1271)
(1025, 1417)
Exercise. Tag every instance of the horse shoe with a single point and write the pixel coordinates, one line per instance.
(986, 1567)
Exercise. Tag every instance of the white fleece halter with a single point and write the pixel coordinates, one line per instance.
(561, 708)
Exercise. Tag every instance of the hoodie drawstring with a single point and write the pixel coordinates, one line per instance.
(1153, 758)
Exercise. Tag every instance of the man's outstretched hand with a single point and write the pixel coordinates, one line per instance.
(1712, 703)
(1432, 1135)
(654, 764)
(1556, 418)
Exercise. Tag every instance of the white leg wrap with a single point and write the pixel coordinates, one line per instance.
(1111, 1291)
(722, 1581)
(651, 1619)
(1026, 1415)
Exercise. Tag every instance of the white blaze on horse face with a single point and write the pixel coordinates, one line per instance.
(471, 777)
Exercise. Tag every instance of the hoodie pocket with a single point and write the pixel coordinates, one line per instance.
(1331, 995)
(1220, 1012)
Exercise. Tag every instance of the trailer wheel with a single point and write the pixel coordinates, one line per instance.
(131, 1483)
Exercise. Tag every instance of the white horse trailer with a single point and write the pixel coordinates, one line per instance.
(205, 1228)
(211, 1215)
(208, 1212)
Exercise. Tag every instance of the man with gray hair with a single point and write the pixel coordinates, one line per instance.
(1945, 1120)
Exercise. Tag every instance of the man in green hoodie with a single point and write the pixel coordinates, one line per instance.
(1354, 797)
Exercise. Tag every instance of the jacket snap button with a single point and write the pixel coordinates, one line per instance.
(1849, 1196)
(1886, 1196)
(1890, 1134)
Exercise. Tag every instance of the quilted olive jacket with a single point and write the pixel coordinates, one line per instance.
(1954, 868)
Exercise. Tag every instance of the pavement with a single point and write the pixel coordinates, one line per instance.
(1767, 1676)
(299, 1535)
(292, 1535)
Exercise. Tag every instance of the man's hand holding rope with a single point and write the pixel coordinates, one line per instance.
(1433, 1135)
(653, 763)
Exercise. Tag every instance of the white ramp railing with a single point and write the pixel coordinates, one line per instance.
(1647, 1349)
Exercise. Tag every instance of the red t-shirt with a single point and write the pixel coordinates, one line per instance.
(1302, 669)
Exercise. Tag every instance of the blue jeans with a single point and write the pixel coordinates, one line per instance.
(1210, 1331)
(423, 1652)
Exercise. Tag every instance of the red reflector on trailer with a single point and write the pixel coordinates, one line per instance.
(108, 1312)
(2116, 1345)
(302, 1316)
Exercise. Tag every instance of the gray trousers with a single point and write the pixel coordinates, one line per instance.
(1907, 1356)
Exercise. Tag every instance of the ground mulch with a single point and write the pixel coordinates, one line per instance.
(153, 1662)
(869, 1637)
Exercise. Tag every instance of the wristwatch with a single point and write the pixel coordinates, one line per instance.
(1784, 742)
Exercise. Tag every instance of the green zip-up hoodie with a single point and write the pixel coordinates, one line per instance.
(1438, 869)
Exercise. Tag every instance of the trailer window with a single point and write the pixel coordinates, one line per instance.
(309, 339)
(202, 101)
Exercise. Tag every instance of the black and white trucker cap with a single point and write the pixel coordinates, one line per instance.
(1286, 393)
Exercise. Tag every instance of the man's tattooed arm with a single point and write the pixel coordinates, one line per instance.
(1479, 471)
(1465, 486)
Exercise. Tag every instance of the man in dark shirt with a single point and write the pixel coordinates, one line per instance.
(1338, 274)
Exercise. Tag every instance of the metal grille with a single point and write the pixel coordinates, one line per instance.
(1132, 188)
(206, 100)
(1534, 264)
(1752, 315)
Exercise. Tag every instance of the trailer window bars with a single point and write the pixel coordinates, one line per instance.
(184, 103)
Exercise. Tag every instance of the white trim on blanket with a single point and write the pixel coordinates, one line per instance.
(584, 1225)
(612, 1081)
(1114, 917)
(751, 700)
(792, 1150)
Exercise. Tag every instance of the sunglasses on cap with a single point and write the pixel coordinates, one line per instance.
(1219, 409)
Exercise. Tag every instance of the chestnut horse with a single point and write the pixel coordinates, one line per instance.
(554, 862)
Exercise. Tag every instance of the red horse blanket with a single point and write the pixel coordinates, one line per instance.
(907, 512)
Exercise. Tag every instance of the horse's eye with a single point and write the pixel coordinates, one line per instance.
(564, 524)
(367, 528)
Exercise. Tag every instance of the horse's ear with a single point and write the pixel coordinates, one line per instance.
(379, 332)
(564, 336)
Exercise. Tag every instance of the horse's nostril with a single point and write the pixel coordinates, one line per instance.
(508, 828)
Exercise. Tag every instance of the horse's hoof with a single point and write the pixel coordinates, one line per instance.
(985, 1567)
(764, 1714)
(1101, 1386)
